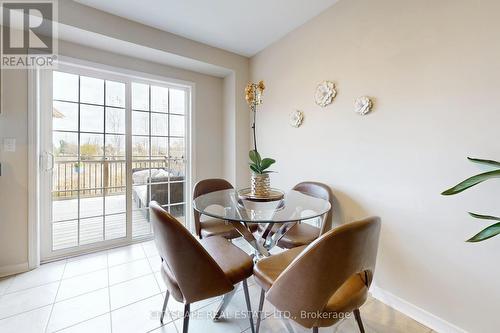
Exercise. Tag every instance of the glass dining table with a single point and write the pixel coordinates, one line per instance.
(275, 217)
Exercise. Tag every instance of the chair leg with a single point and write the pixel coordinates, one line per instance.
(164, 309)
(226, 299)
(249, 306)
(315, 330)
(185, 325)
(259, 313)
(288, 326)
(357, 315)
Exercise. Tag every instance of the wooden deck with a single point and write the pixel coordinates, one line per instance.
(93, 227)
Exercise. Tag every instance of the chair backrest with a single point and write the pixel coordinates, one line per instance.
(207, 186)
(322, 191)
(317, 273)
(195, 271)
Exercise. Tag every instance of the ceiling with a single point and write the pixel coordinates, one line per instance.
(242, 27)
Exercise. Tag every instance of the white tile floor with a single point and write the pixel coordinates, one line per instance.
(121, 291)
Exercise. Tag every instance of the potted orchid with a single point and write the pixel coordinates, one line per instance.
(260, 182)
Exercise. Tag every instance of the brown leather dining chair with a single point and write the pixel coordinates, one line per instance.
(196, 270)
(212, 226)
(303, 233)
(321, 283)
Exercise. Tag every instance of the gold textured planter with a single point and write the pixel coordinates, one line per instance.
(260, 185)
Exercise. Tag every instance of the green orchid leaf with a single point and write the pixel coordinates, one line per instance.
(486, 162)
(486, 233)
(472, 181)
(269, 171)
(484, 217)
(259, 159)
(266, 163)
(255, 169)
(254, 165)
(254, 156)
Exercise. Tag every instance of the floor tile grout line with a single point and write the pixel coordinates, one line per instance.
(55, 297)
(106, 252)
(84, 294)
(74, 277)
(33, 287)
(109, 293)
(83, 321)
(171, 322)
(12, 278)
(110, 312)
(121, 307)
(98, 289)
(11, 281)
(152, 269)
(23, 312)
(126, 262)
(112, 266)
(66, 278)
(89, 272)
(101, 269)
(134, 278)
(134, 302)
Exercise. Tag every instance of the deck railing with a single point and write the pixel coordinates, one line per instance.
(97, 177)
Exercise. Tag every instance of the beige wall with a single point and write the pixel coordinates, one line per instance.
(14, 179)
(207, 127)
(433, 68)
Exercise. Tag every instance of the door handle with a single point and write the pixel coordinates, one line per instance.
(52, 161)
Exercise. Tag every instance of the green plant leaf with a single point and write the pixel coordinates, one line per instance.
(474, 180)
(266, 163)
(484, 217)
(254, 165)
(486, 162)
(254, 168)
(254, 156)
(486, 233)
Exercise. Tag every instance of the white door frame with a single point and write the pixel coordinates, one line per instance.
(38, 90)
(33, 168)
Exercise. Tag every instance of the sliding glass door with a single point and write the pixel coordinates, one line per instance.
(112, 144)
(158, 152)
(89, 184)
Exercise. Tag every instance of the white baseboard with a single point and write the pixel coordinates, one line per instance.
(13, 269)
(428, 319)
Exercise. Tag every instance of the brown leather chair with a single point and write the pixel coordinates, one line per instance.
(196, 270)
(212, 226)
(330, 277)
(303, 233)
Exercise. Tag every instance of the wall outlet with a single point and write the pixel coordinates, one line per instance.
(9, 145)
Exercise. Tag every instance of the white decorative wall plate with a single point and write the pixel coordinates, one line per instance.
(325, 93)
(363, 105)
(296, 118)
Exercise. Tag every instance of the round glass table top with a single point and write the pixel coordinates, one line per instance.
(227, 205)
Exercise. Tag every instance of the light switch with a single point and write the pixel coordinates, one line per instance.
(9, 145)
